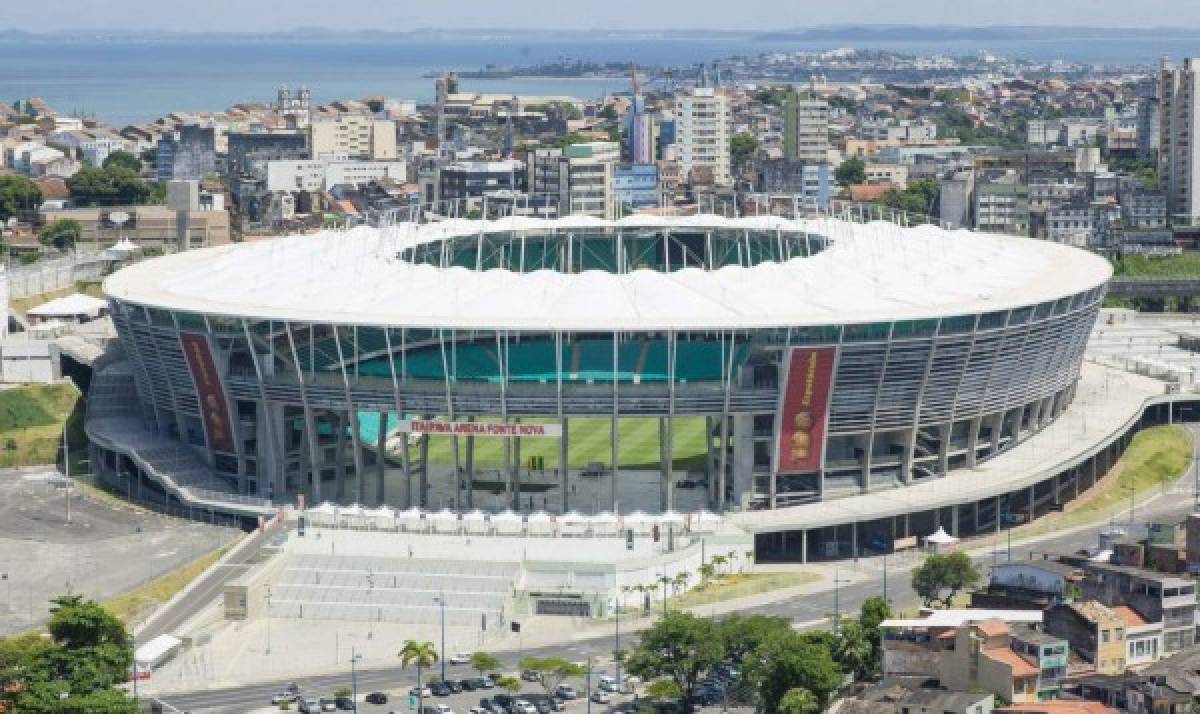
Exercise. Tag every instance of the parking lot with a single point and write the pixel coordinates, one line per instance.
(466, 702)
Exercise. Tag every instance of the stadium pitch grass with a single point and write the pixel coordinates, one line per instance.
(588, 442)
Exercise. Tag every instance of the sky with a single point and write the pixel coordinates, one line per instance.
(399, 15)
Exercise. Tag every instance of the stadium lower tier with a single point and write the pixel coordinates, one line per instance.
(755, 418)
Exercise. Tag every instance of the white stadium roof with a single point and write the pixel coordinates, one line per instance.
(874, 272)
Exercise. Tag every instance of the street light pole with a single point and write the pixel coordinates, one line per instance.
(354, 658)
(67, 471)
(442, 602)
(617, 643)
(588, 685)
(268, 651)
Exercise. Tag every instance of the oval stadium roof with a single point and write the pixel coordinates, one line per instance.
(873, 272)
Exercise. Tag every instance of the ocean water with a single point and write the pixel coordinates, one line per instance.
(129, 81)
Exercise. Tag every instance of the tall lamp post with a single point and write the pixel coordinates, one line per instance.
(441, 601)
(268, 650)
(354, 660)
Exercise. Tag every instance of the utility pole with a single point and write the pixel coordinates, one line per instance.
(885, 597)
(588, 685)
(67, 474)
(268, 650)
(442, 601)
(617, 642)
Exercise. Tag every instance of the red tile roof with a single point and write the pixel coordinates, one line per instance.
(1015, 662)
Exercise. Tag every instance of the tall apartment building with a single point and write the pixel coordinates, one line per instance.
(805, 128)
(1148, 121)
(580, 177)
(353, 136)
(702, 133)
(1179, 154)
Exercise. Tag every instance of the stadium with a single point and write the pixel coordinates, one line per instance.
(727, 364)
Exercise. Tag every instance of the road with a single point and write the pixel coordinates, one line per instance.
(810, 611)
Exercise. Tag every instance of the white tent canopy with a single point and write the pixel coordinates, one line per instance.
(71, 306)
(940, 537)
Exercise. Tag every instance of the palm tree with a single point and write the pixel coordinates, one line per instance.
(680, 581)
(423, 655)
(718, 561)
(707, 571)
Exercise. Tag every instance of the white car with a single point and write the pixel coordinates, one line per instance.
(459, 658)
(566, 691)
(524, 707)
(601, 697)
(444, 709)
(424, 692)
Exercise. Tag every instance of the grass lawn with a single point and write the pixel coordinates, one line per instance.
(139, 602)
(739, 585)
(589, 440)
(1155, 457)
(31, 423)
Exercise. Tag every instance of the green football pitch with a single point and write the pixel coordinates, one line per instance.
(588, 441)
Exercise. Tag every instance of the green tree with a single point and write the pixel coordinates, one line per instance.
(855, 652)
(609, 112)
(108, 186)
(789, 660)
(743, 634)
(125, 160)
(484, 662)
(569, 138)
(941, 577)
(551, 671)
(510, 684)
(772, 96)
(18, 193)
(663, 689)
(62, 233)
(741, 149)
(681, 647)
(798, 701)
(874, 610)
(422, 655)
(851, 172)
(920, 198)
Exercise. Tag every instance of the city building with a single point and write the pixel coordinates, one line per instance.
(1156, 597)
(147, 225)
(1179, 151)
(636, 186)
(579, 177)
(473, 179)
(243, 147)
(910, 695)
(1095, 632)
(313, 176)
(702, 134)
(188, 152)
(805, 128)
(353, 136)
(1018, 664)
(812, 183)
(1002, 205)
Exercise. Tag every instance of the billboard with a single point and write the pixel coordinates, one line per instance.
(804, 408)
(213, 407)
(478, 428)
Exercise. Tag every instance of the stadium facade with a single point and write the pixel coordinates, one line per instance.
(824, 357)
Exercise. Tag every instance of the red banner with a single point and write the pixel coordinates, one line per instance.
(804, 409)
(213, 406)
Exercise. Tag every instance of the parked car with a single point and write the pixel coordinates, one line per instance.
(523, 707)
(687, 483)
(557, 704)
(310, 705)
(346, 704)
(601, 697)
(478, 710)
(468, 685)
(328, 704)
(608, 684)
(423, 692)
(566, 691)
(440, 689)
(531, 676)
(480, 683)
(503, 701)
(459, 658)
(376, 698)
(454, 686)
(284, 696)
(444, 708)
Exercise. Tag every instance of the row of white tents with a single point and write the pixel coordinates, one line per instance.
(539, 523)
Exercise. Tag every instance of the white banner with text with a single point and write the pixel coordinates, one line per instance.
(478, 428)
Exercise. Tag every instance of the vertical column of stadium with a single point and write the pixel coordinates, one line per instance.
(404, 464)
(310, 426)
(616, 449)
(350, 419)
(446, 369)
(278, 478)
(562, 440)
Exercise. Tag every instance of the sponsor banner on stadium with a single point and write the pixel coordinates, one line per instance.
(478, 428)
(213, 407)
(804, 409)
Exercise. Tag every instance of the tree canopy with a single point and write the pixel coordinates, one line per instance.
(919, 198)
(851, 172)
(789, 660)
(76, 670)
(18, 193)
(798, 701)
(941, 577)
(62, 233)
(681, 647)
(125, 160)
(551, 671)
(741, 149)
(484, 662)
(108, 186)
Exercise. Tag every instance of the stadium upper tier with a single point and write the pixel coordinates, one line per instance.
(707, 272)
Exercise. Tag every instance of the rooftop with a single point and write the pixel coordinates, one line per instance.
(1019, 666)
(877, 272)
